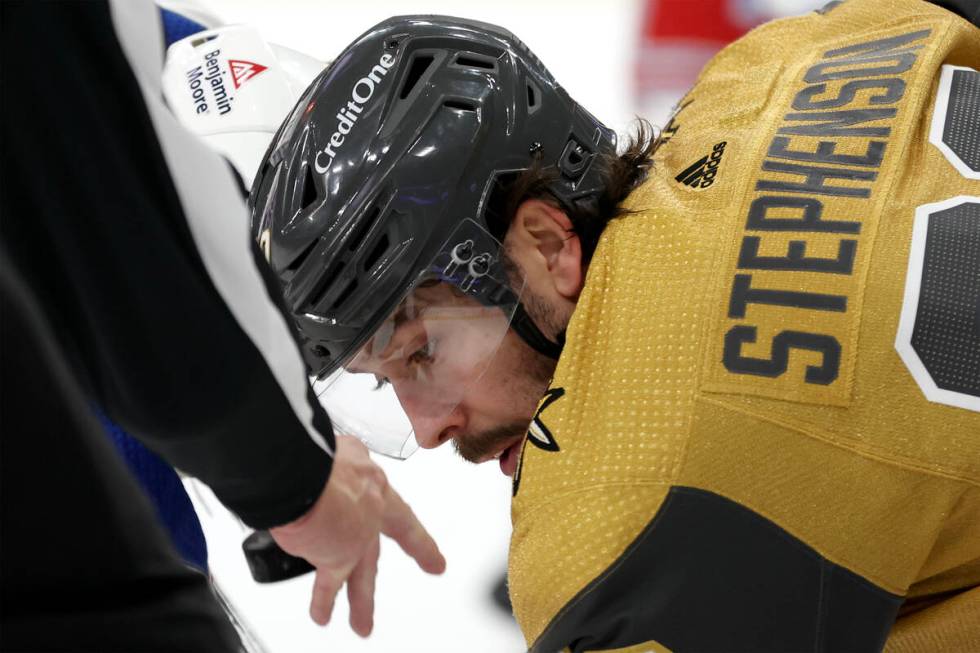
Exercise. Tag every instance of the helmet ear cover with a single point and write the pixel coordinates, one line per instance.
(410, 131)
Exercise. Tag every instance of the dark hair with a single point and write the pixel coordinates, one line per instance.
(621, 174)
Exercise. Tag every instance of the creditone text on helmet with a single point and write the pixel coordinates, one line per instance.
(361, 92)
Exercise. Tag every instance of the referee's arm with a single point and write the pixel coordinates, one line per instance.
(134, 238)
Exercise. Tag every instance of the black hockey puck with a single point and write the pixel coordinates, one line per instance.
(269, 563)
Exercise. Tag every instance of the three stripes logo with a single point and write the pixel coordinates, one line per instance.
(702, 172)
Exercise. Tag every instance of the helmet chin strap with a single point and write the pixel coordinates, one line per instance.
(529, 332)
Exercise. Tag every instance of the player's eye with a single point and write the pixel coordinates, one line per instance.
(423, 354)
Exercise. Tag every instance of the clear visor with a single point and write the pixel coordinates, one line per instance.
(403, 386)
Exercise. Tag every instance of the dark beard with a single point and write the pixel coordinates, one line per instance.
(536, 375)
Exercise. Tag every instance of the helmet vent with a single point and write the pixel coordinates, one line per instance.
(533, 97)
(379, 249)
(299, 260)
(323, 285)
(460, 105)
(470, 60)
(345, 293)
(419, 65)
(309, 189)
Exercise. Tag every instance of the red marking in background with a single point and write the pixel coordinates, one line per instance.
(706, 20)
(679, 36)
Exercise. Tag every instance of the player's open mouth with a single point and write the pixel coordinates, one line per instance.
(508, 457)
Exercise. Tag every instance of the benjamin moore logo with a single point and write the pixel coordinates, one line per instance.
(242, 71)
(212, 77)
(702, 172)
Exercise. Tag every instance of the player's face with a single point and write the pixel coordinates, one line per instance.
(457, 380)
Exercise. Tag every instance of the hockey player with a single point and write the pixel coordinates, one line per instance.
(750, 383)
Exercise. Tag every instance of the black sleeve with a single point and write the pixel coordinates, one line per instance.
(85, 563)
(134, 239)
(708, 575)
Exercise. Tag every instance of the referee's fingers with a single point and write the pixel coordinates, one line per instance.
(328, 582)
(400, 524)
(360, 590)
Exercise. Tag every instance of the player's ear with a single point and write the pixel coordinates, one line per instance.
(546, 246)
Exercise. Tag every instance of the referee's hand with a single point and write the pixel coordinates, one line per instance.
(340, 535)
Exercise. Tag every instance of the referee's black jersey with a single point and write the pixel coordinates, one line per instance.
(132, 238)
(129, 285)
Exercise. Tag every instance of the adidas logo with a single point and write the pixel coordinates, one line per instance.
(702, 172)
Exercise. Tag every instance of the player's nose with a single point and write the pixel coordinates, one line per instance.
(433, 425)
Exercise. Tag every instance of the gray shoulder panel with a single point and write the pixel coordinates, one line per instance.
(708, 574)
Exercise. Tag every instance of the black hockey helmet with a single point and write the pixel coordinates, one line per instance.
(402, 139)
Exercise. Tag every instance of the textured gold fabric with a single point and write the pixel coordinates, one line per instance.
(861, 467)
(952, 626)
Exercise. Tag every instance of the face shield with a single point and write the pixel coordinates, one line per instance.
(412, 373)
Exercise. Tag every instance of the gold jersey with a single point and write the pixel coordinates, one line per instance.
(764, 430)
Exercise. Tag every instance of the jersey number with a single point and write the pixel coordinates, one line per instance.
(939, 331)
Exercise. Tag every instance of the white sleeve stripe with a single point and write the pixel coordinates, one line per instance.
(215, 213)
